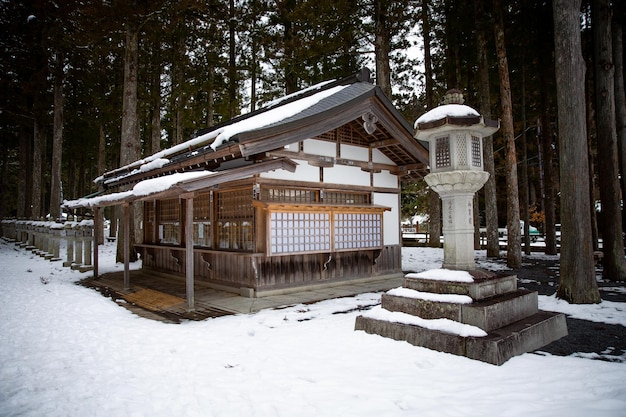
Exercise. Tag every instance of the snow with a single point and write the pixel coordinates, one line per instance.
(141, 189)
(446, 110)
(217, 137)
(156, 185)
(441, 274)
(442, 325)
(429, 296)
(66, 350)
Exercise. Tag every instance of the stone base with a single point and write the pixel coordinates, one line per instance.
(496, 348)
(484, 286)
(511, 318)
(489, 314)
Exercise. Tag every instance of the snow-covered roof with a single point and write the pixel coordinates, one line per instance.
(446, 110)
(453, 116)
(141, 189)
(305, 114)
(217, 137)
(177, 183)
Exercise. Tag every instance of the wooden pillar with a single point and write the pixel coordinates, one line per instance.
(189, 254)
(96, 239)
(126, 220)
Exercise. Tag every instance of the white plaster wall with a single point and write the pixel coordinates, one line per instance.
(391, 219)
(379, 157)
(385, 179)
(304, 172)
(319, 147)
(357, 153)
(293, 147)
(349, 175)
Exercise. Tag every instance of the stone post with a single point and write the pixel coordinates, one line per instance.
(87, 240)
(69, 241)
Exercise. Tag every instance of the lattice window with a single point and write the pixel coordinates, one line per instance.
(477, 159)
(293, 195)
(357, 230)
(461, 148)
(442, 152)
(148, 230)
(293, 232)
(235, 219)
(169, 221)
(202, 220)
(336, 197)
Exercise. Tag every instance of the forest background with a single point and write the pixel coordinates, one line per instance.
(87, 86)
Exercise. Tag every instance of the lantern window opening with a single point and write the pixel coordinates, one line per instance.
(442, 152)
(476, 152)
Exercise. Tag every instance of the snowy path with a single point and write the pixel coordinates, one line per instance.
(67, 351)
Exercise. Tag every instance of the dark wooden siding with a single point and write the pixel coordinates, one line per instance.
(262, 272)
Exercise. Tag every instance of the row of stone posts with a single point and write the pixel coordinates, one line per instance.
(46, 239)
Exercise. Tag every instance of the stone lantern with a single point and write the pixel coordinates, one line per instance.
(455, 134)
(505, 320)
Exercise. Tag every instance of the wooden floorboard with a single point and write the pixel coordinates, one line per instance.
(156, 296)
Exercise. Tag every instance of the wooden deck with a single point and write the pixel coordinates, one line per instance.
(163, 297)
(157, 296)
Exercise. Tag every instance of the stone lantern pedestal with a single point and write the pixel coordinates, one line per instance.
(457, 189)
(497, 319)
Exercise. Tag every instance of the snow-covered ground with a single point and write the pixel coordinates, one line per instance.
(66, 350)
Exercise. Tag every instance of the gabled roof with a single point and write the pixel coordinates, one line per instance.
(353, 101)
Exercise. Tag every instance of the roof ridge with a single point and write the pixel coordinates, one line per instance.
(363, 75)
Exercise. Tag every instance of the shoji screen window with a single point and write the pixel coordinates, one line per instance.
(235, 219)
(169, 221)
(148, 220)
(357, 230)
(202, 220)
(297, 232)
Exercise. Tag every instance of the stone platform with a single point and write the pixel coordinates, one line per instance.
(510, 317)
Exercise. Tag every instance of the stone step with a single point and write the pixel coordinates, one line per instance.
(480, 289)
(488, 314)
(497, 347)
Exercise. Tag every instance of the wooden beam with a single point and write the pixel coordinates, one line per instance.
(126, 246)
(189, 271)
(328, 161)
(96, 239)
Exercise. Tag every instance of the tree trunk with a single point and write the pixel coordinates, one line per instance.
(100, 163)
(382, 47)
(155, 136)
(608, 172)
(434, 211)
(524, 193)
(577, 283)
(514, 244)
(39, 146)
(620, 98)
(23, 199)
(591, 151)
(57, 140)
(232, 63)
(491, 207)
(428, 63)
(130, 144)
(211, 94)
(548, 171)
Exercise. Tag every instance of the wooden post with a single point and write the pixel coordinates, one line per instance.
(96, 239)
(189, 254)
(126, 216)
